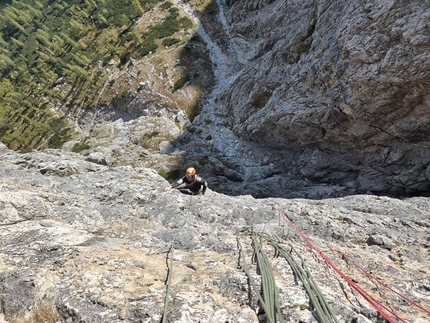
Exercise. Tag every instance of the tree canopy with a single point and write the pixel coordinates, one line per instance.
(44, 41)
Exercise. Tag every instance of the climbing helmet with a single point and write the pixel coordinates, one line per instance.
(190, 171)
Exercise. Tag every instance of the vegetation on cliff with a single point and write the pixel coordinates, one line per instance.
(55, 54)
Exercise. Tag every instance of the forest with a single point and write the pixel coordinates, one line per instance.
(52, 55)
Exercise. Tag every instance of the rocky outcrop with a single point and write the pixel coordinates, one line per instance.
(94, 243)
(312, 99)
(340, 90)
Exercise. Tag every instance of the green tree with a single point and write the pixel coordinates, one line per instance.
(5, 61)
(17, 42)
(42, 41)
(16, 24)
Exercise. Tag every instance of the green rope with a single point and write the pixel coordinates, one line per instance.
(170, 267)
(316, 297)
(168, 283)
(268, 283)
(324, 304)
(268, 297)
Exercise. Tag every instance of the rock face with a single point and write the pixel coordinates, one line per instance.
(339, 90)
(94, 243)
(310, 99)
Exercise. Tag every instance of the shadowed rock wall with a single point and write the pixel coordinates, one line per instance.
(342, 86)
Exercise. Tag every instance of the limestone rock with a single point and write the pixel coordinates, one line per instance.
(312, 99)
(98, 244)
(339, 90)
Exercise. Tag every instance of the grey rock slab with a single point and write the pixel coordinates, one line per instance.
(98, 245)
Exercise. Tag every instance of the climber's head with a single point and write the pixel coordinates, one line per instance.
(190, 172)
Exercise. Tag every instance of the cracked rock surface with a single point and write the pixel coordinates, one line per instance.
(97, 244)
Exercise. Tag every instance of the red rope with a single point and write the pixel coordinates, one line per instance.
(381, 282)
(377, 305)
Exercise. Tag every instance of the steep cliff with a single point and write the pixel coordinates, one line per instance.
(340, 89)
(270, 98)
(84, 242)
(286, 99)
(301, 99)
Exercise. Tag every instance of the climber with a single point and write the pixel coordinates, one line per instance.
(191, 183)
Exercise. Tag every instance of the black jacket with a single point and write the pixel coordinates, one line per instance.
(197, 185)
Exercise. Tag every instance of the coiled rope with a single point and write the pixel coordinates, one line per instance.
(316, 297)
(270, 299)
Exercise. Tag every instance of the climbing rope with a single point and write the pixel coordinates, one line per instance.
(382, 309)
(269, 301)
(381, 282)
(168, 283)
(270, 290)
(170, 265)
(317, 299)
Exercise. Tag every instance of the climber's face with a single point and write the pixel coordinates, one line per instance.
(190, 176)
